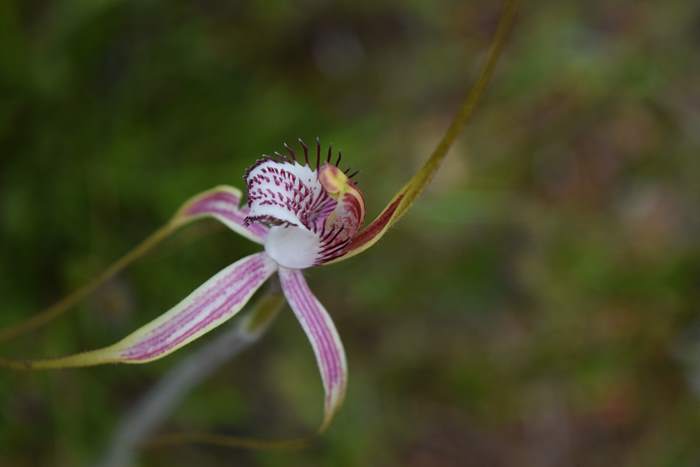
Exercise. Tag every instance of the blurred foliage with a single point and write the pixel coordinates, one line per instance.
(538, 307)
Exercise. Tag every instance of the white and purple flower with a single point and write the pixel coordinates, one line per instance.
(305, 212)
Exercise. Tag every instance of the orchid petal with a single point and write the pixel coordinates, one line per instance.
(209, 306)
(407, 195)
(320, 330)
(220, 203)
(223, 204)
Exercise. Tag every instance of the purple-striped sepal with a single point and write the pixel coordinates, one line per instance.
(313, 207)
(320, 330)
(221, 203)
(209, 306)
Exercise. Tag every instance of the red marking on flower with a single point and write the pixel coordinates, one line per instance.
(377, 226)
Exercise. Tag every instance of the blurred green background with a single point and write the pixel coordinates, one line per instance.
(537, 307)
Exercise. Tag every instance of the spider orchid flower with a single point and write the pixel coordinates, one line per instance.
(305, 213)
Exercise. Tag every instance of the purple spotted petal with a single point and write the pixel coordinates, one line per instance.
(223, 204)
(320, 330)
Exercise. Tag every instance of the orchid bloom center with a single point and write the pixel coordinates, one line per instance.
(292, 247)
(313, 212)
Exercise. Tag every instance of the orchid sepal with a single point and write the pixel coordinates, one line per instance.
(209, 306)
(221, 203)
(406, 196)
(324, 339)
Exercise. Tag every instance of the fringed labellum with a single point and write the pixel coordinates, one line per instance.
(313, 209)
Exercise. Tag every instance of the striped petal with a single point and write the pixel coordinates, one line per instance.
(209, 306)
(320, 330)
(407, 195)
(223, 204)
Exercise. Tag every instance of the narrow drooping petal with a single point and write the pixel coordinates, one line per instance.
(223, 204)
(320, 330)
(213, 303)
(209, 306)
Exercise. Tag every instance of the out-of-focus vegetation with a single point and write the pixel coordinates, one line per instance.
(540, 306)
